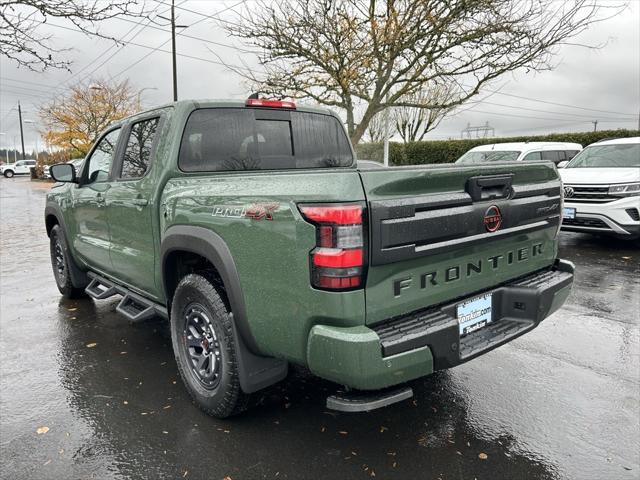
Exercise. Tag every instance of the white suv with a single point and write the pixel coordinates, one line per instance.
(523, 151)
(21, 167)
(602, 189)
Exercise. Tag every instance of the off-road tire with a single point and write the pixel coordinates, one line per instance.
(8, 173)
(60, 263)
(226, 398)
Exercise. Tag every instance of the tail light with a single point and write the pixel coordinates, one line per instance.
(338, 260)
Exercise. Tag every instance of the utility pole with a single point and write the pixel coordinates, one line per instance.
(173, 46)
(595, 125)
(21, 132)
(173, 50)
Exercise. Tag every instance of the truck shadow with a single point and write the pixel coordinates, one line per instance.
(127, 390)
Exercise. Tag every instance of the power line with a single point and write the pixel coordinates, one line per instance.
(556, 103)
(158, 48)
(537, 118)
(7, 79)
(205, 40)
(149, 21)
(577, 115)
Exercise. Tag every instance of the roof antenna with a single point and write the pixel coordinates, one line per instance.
(254, 96)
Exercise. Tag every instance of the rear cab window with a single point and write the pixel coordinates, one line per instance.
(231, 139)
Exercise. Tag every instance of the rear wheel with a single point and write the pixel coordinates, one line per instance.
(8, 173)
(60, 259)
(204, 347)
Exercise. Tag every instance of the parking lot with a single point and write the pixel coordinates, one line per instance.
(561, 402)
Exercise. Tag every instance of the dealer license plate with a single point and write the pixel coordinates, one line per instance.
(474, 314)
(568, 212)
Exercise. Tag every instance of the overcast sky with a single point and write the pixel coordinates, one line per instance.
(607, 79)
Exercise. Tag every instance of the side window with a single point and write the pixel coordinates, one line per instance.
(552, 155)
(531, 156)
(137, 155)
(102, 157)
(19, 163)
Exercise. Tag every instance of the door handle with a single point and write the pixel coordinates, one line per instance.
(142, 202)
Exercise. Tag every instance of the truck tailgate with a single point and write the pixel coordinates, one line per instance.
(442, 232)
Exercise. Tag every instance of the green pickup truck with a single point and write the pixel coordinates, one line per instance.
(253, 229)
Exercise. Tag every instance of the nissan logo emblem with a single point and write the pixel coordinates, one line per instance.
(492, 219)
(568, 191)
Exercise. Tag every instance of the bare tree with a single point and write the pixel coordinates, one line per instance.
(413, 123)
(343, 52)
(376, 128)
(21, 22)
(75, 121)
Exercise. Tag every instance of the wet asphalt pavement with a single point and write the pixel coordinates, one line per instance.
(561, 402)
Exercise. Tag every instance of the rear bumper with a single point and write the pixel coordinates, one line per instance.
(408, 347)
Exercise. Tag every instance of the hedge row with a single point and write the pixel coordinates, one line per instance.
(446, 151)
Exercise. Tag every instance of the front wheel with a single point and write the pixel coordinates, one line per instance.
(8, 173)
(60, 264)
(204, 347)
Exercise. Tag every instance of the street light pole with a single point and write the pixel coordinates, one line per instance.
(21, 131)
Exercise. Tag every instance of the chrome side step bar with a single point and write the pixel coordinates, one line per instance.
(133, 306)
(358, 401)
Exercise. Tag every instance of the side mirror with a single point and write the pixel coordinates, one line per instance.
(562, 164)
(63, 172)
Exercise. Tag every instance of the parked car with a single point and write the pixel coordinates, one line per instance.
(251, 228)
(602, 189)
(525, 151)
(21, 167)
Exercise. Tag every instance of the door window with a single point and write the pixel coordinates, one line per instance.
(531, 156)
(137, 155)
(102, 158)
(552, 155)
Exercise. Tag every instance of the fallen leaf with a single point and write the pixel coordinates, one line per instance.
(74, 309)
(482, 456)
(46, 463)
(626, 258)
(42, 430)
(322, 429)
(186, 472)
(342, 432)
(91, 345)
(123, 353)
(166, 407)
(382, 429)
(125, 402)
(165, 432)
